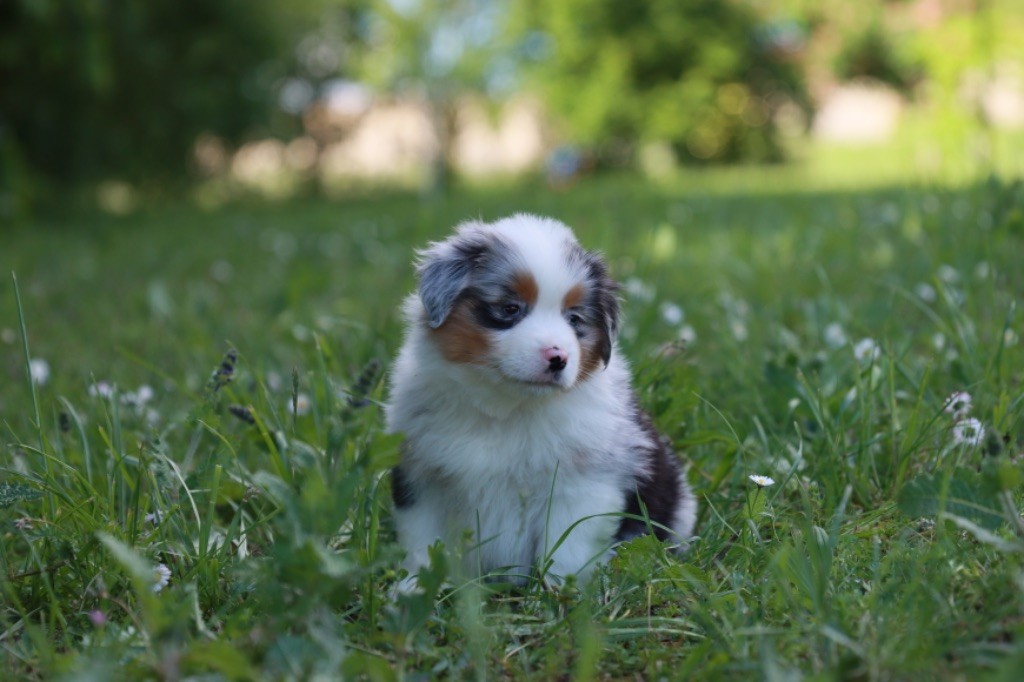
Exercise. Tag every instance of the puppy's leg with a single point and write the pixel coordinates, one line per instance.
(581, 510)
(420, 522)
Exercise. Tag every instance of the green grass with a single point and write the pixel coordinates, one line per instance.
(884, 549)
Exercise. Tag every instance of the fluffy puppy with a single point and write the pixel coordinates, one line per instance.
(520, 422)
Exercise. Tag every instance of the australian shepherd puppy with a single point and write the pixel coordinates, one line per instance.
(521, 426)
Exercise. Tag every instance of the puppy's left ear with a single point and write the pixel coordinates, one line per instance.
(604, 299)
(445, 270)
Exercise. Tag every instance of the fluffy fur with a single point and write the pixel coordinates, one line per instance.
(520, 422)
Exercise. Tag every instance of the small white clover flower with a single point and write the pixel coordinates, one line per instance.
(948, 274)
(101, 389)
(958, 404)
(835, 337)
(762, 481)
(968, 432)
(687, 334)
(867, 351)
(671, 313)
(925, 292)
(40, 370)
(639, 290)
(161, 577)
(139, 398)
(739, 330)
(301, 405)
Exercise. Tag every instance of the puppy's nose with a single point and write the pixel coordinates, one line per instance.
(556, 357)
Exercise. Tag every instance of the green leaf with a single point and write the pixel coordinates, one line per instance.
(964, 497)
(12, 493)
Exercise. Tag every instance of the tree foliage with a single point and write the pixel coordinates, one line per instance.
(693, 74)
(121, 88)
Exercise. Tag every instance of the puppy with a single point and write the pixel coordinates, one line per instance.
(520, 422)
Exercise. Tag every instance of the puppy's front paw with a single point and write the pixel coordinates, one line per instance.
(410, 584)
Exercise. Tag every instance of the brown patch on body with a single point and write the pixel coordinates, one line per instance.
(461, 339)
(525, 287)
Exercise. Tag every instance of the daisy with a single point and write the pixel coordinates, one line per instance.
(968, 432)
(958, 404)
(162, 576)
(762, 481)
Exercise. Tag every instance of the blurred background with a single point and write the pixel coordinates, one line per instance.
(115, 101)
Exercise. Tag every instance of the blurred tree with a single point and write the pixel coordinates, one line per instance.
(121, 88)
(874, 53)
(697, 75)
(435, 49)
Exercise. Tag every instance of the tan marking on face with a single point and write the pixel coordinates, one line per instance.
(573, 297)
(525, 287)
(461, 339)
(590, 358)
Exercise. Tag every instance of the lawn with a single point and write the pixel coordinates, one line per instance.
(195, 482)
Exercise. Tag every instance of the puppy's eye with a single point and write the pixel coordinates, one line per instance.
(511, 309)
(575, 319)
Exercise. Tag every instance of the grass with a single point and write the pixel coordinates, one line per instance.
(885, 548)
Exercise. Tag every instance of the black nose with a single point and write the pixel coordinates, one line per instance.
(556, 364)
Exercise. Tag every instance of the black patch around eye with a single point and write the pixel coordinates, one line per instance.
(500, 315)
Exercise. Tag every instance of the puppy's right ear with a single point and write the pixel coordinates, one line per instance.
(445, 269)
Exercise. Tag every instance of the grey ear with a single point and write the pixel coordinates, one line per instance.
(445, 270)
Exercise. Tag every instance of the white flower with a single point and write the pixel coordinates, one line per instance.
(161, 577)
(671, 313)
(866, 350)
(835, 337)
(639, 290)
(139, 398)
(925, 292)
(1010, 338)
(101, 389)
(939, 341)
(301, 405)
(958, 404)
(687, 334)
(968, 432)
(762, 481)
(739, 330)
(982, 270)
(40, 370)
(154, 517)
(948, 274)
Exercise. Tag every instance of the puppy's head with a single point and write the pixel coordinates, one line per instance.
(522, 299)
